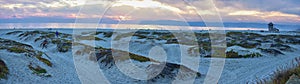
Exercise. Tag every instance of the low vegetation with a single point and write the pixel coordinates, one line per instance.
(46, 61)
(229, 34)
(13, 32)
(39, 38)
(143, 32)
(140, 36)
(249, 45)
(168, 36)
(106, 34)
(202, 35)
(293, 41)
(161, 33)
(17, 50)
(138, 58)
(271, 51)
(123, 35)
(88, 38)
(252, 55)
(62, 45)
(106, 56)
(243, 44)
(38, 70)
(3, 70)
(171, 71)
(16, 47)
(233, 54)
(282, 74)
(281, 47)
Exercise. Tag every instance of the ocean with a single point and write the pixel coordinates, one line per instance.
(227, 26)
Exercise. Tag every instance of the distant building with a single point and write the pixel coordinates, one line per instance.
(272, 29)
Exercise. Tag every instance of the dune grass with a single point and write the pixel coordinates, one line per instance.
(283, 74)
(138, 58)
(123, 35)
(108, 34)
(17, 50)
(232, 54)
(13, 32)
(248, 45)
(252, 55)
(271, 51)
(38, 70)
(88, 38)
(3, 70)
(39, 57)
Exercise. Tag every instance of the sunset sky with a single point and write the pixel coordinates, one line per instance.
(66, 11)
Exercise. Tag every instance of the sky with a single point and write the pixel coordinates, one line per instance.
(141, 11)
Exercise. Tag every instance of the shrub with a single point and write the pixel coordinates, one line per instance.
(3, 70)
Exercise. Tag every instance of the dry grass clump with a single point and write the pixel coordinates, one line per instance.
(282, 74)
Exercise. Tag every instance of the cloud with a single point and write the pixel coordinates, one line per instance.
(284, 6)
(179, 10)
